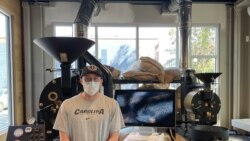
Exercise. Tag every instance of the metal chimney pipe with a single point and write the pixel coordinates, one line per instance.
(184, 14)
(80, 30)
(84, 15)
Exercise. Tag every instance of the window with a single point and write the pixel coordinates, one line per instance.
(5, 73)
(204, 46)
(120, 46)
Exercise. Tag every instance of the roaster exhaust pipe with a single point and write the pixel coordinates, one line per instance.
(185, 25)
(84, 15)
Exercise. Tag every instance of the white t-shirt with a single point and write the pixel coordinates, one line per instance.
(85, 120)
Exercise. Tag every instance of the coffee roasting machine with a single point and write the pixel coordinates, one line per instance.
(199, 107)
(199, 103)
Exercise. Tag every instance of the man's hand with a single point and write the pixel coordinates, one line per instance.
(63, 136)
(113, 136)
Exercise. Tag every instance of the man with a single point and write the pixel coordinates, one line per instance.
(90, 115)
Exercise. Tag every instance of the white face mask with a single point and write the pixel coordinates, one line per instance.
(91, 88)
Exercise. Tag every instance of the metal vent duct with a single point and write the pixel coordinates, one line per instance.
(84, 15)
(185, 21)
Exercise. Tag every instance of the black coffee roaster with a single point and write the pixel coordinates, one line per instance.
(66, 50)
(200, 106)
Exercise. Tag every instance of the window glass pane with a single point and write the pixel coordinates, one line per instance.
(203, 40)
(91, 36)
(116, 32)
(203, 65)
(63, 31)
(5, 81)
(91, 33)
(158, 43)
(203, 48)
(117, 48)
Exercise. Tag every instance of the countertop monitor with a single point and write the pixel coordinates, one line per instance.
(154, 108)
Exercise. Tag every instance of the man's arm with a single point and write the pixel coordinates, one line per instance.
(63, 136)
(113, 136)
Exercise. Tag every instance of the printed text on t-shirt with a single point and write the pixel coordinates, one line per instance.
(88, 111)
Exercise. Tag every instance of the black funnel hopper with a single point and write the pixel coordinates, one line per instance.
(207, 77)
(65, 50)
